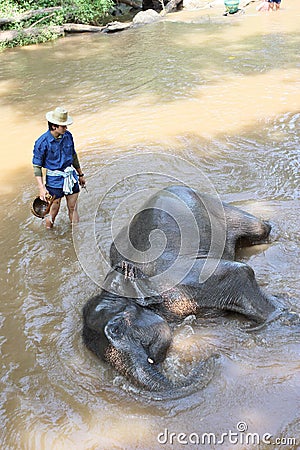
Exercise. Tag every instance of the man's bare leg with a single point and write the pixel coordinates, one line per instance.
(72, 207)
(49, 220)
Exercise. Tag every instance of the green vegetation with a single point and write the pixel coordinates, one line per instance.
(39, 20)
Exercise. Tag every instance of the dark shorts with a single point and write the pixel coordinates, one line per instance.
(59, 193)
(275, 1)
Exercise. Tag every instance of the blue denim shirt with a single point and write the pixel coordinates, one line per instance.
(54, 154)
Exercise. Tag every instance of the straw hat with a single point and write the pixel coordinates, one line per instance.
(59, 117)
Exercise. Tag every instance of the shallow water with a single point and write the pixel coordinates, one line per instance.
(206, 99)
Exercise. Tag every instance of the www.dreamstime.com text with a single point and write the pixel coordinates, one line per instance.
(240, 436)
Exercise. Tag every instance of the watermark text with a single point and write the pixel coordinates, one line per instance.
(239, 436)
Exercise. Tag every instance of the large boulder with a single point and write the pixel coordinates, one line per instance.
(144, 17)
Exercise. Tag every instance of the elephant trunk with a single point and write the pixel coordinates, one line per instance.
(146, 376)
(151, 379)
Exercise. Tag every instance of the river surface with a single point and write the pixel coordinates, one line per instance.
(209, 100)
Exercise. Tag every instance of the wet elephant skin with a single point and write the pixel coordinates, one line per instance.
(128, 324)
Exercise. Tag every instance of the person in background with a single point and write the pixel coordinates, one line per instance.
(274, 4)
(268, 5)
(231, 6)
(54, 150)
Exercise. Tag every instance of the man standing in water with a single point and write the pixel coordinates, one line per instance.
(268, 5)
(54, 151)
(274, 4)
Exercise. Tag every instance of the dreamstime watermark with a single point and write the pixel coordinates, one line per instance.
(119, 192)
(240, 436)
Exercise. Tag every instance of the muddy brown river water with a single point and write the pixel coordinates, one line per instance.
(199, 97)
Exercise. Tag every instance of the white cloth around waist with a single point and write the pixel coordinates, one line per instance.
(68, 175)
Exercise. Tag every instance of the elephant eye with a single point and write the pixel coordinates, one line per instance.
(115, 329)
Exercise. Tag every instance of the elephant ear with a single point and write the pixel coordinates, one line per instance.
(115, 328)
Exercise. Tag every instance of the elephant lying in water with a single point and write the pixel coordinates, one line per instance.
(127, 324)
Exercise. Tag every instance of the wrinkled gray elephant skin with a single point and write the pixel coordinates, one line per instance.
(128, 323)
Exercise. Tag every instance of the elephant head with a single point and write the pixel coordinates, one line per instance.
(133, 339)
(243, 230)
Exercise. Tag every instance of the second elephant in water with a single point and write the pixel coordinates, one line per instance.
(175, 258)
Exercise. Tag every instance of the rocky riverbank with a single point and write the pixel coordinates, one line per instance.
(128, 14)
